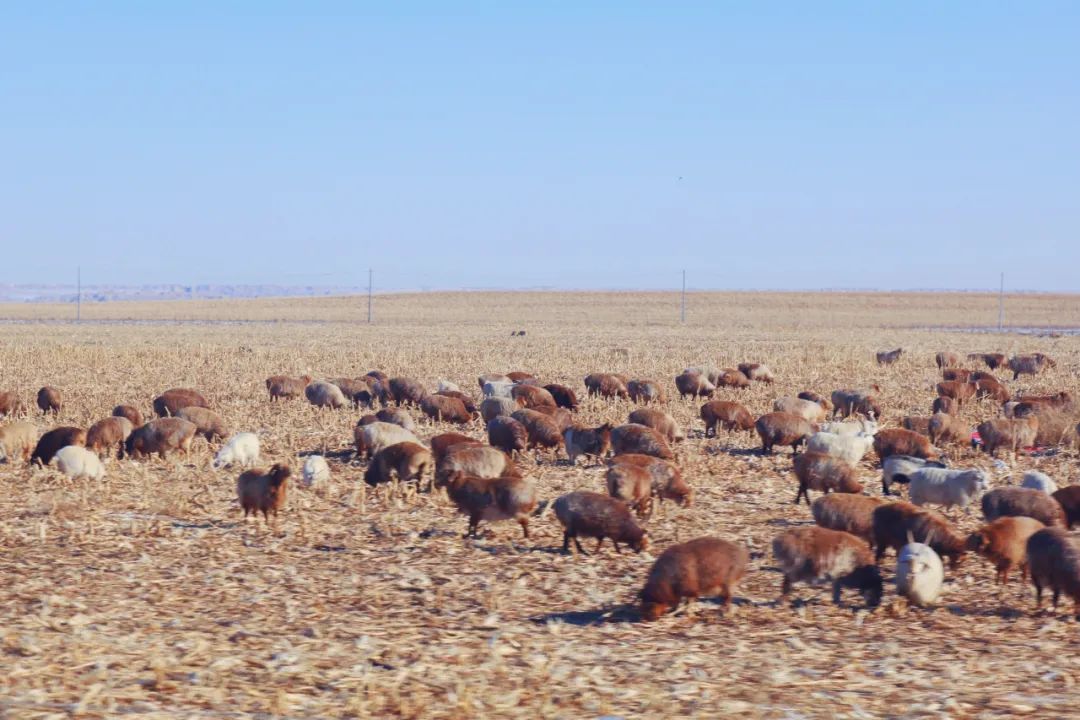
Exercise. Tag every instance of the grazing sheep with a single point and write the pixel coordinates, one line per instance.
(50, 443)
(694, 384)
(957, 375)
(699, 568)
(855, 402)
(262, 490)
(562, 417)
(941, 486)
(590, 442)
(498, 389)
(814, 397)
(640, 439)
(898, 468)
(729, 415)
(813, 554)
(207, 422)
(946, 405)
(507, 434)
(851, 513)
(659, 421)
(858, 426)
(17, 440)
(161, 436)
(945, 429)
(373, 437)
(947, 360)
(1010, 433)
(316, 472)
(992, 360)
(1030, 364)
(474, 461)
(442, 443)
(591, 514)
(129, 412)
(446, 385)
(492, 499)
(961, 392)
(1035, 480)
(646, 391)
(532, 397)
(242, 449)
(807, 409)
(919, 425)
(1060, 401)
(378, 376)
(1054, 562)
(325, 395)
(824, 473)
(283, 387)
(1016, 501)
(468, 402)
(493, 378)
(730, 377)
(757, 372)
(172, 401)
(49, 400)
(919, 574)
(1069, 499)
(108, 433)
(1004, 542)
(406, 390)
(849, 448)
(405, 460)
(10, 404)
(564, 397)
(397, 416)
(989, 387)
(897, 441)
(445, 409)
(542, 430)
(888, 357)
(606, 385)
(78, 463)
(494, 407)
(782, 429)
(898, 523)
(637, 479)
(520, 376)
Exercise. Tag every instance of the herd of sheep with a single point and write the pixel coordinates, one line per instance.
(1026, 525)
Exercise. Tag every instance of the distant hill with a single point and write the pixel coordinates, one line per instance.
(106, 293)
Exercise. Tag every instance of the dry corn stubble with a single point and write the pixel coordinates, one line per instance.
(145, 593)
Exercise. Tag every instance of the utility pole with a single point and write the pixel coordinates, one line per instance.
(78, 293)
(1001, 304)
(682, 308)
(370, 282)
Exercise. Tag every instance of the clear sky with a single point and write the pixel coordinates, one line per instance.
(568, 144)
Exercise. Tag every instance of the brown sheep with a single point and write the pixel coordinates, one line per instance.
(542, 430)
(475, 461)
(262, 490)
(855, 402)
(959, 391)
(637, 479)
(888, 357)
(956, 375)
(701, 567)
(10, 404)
(989, 387)
(353, 387)
(729, 377)
(405, 460)
(948, 429)
(49, 400)
(323, 394)
(492, 499)
(1030, 364)
(918, 424)
(694, 384)
(468, 402)
(851, 513)
(1020, 501)
(161, 436)
(640, 439)
(646, 391)
(1059, 401)
(945, 405)
(659, 421)
(404, 390)
(441, 444)
(898, 523)
(378, 376)
(507, 434)
(54, 440)
(591, 514)
(445, 409)
(897, 441)
(108, 433)
(756, 372)
(606, 385)
(170, 402)
(782, 429)
(729, 415)
(532, 397)
(397, 416)
(520, 376)
(811, 554)
(562, 417)
(495, 378)
(1010, 433)
(947, 360)
(1054, 562)
(1004, 542)
(494, 407)
(992, 360)
(564, 397)
(283, 387)
(824, 473)
(594, 442)
(17, 440)
(824, 402)
(131, 413)
(207, 422)
(1069, 499)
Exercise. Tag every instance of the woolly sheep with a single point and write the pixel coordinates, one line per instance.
(812, 554)
(902, 466)
(782, 429)
(372, 438)
(849, 448)
(498, 389)
(807, 409)
(1036, 480)
(316, 471)
(492, 499)
(701, 567)
(324, 394)
(919, 574)
(850, 513)
(1054, 562)
(1016, 501)
(1012, 434)
(444, 385)
(659, 421)
(78, 463)
(242, 449)
(1004, 542)
(17, 440)
(941, 486)
(858, 426)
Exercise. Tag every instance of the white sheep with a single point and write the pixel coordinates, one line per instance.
(806, 409)
(78, 463)
(316, 472)
(375, 436)
(447, 386)
(1036, 480)
(942, 486)
(498, 389)
(242, 449)
(902, 466)
(324, 394)
(919, 574)
(849, 448)
(858, 426)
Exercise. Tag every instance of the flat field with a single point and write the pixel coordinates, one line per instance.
(147, 595)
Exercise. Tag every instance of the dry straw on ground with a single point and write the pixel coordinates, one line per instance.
(146, 595)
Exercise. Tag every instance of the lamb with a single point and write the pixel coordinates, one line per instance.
(782, 429)
(701, 567)
(316, 473)
(756, 372)
(49, 400)
(532, 397)
(898, 468)
(729, 415)
(242, 449)
(442, 443)
(896, 524)
(1030, 364)
(161, 436)
(172, 401)
(659, 421)
(283, 387)
(1004, 542)
(207, 422)
(406, 460)
(855, 402)
(730, 377)
(888, 357)
(1036, 480)
(945, 487)
(542, 430)
(606, 385)
(814, 397)
(637, 479)
(10, 404)
(507, 434)
(897, 441)
(851, 513)
(1013, 434)
(991, 388)
(916, 424)
(323, 394)
(813, 554)
(78, 463)
(1069, 499)
(108, 433)
(945, 429)
(946, 405)
(445, 409)
(564, 397)
(957, 375)
(1054, 562)
(594, 442)
(816, 471)
(639, 439)
(947, 360)
(806, 409)
(129, 412)
(498, 389)
(50, 443)
(263, 491)
(372, 438)
(849, 448)
(646, 391)
(494, 407)
(1015, 502)
(919, 574)
(858, 426)
(591, 514)
(474, 461)
(492, 499)
(694, 384)
(992, 360)
(961, 392)
(17, 440)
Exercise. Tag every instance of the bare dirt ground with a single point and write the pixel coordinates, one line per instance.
(146, 595)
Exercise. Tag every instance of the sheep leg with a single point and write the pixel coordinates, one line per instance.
(524, 526)
(599, 542)
(799, 493)
(566, 542)
(1024, 571)
(616, 544)
(1038, 595)
(785, 588)
(577, 544)
(836, 592)
(1057, 596)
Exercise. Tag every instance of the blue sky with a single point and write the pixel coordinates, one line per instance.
(586, 144)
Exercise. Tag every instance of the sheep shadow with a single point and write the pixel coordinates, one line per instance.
(616, 615)
(513, 547)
